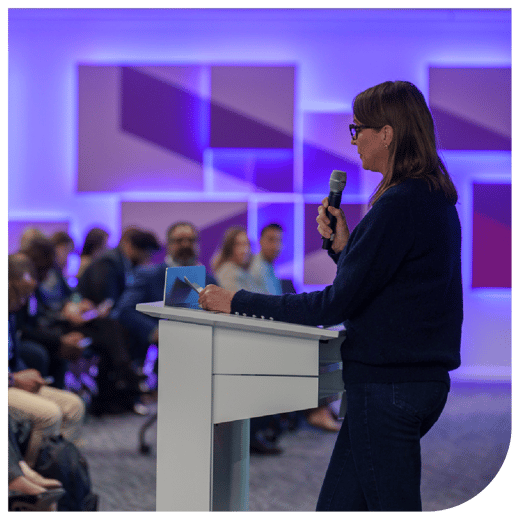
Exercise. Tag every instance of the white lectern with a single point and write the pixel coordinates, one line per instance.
(216, 371)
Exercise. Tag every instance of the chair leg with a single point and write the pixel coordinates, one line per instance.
(143, 447)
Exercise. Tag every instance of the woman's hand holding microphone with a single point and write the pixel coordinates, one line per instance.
(342, 232)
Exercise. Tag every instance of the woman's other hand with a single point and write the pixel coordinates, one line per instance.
(342, 233)
(213, 298)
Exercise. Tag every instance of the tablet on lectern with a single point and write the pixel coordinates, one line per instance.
(177, 293)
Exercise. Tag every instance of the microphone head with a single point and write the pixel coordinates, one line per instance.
(338, 180)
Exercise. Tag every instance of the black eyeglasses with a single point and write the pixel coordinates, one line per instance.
(354, 130)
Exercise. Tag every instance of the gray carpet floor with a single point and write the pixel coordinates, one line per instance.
(461, 455)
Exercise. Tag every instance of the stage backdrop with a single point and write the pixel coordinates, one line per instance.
(226, 117)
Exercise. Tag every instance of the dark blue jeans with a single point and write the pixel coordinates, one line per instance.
(376, 462)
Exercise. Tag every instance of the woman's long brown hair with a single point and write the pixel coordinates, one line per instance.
(413, 150)
(228, 243)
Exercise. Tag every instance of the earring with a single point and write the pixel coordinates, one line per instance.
(386, 146)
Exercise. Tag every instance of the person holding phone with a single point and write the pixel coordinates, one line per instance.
(51, 410)
(398, 291)
(56, 319)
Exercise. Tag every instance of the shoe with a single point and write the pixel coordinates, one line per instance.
(40, 502)
(140, 408)
(262, 446)
(322, 418)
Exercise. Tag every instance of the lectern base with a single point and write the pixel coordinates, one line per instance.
(231, 466)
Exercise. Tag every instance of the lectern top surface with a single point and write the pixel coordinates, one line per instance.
(259, 324)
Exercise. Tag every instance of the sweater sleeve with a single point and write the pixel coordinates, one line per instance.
(376, 248)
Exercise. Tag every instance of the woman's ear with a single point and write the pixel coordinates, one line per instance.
(387, 133)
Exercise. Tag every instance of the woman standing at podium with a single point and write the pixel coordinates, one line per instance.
(398, 291)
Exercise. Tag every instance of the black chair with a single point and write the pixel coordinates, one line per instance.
(143, 447)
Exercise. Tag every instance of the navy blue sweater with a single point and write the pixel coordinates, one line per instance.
(398, 291)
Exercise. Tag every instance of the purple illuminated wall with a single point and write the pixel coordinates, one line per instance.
(140, 128)
(252, 106)
(17, 227)
(472, 107)
(326, 147)
(143, 116)
(491, 235)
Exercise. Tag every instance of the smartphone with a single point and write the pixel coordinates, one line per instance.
(105, 305)
(90, 315)
(85, 342)
(195, 286)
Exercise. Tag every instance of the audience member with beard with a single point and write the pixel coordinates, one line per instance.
(182, 249)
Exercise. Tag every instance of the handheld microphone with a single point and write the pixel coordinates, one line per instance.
(337, 183)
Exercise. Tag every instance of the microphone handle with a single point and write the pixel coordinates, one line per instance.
(335, 201)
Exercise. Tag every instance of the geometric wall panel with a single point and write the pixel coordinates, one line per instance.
(211, 219)
(491, 259)
(471, 107)
(162, 113)
(141, 128)
(318, 267)
(327, 147)
(252, 107)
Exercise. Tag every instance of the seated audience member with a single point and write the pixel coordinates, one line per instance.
(262, 270)
(51, 411)
(95, 245)
(28, 490)
(54, 288)
(231, 262)
(34, 354)
(182, 249)
(113, 271)
(36, 330)
(28, 234)
(262, 264)
(62, 325)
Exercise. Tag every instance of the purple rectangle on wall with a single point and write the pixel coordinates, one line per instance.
(471, 107)
(162, 113)
(491, 266)
(252, 107)
(141, 128)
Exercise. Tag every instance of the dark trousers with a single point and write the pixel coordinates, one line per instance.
(376, 462)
